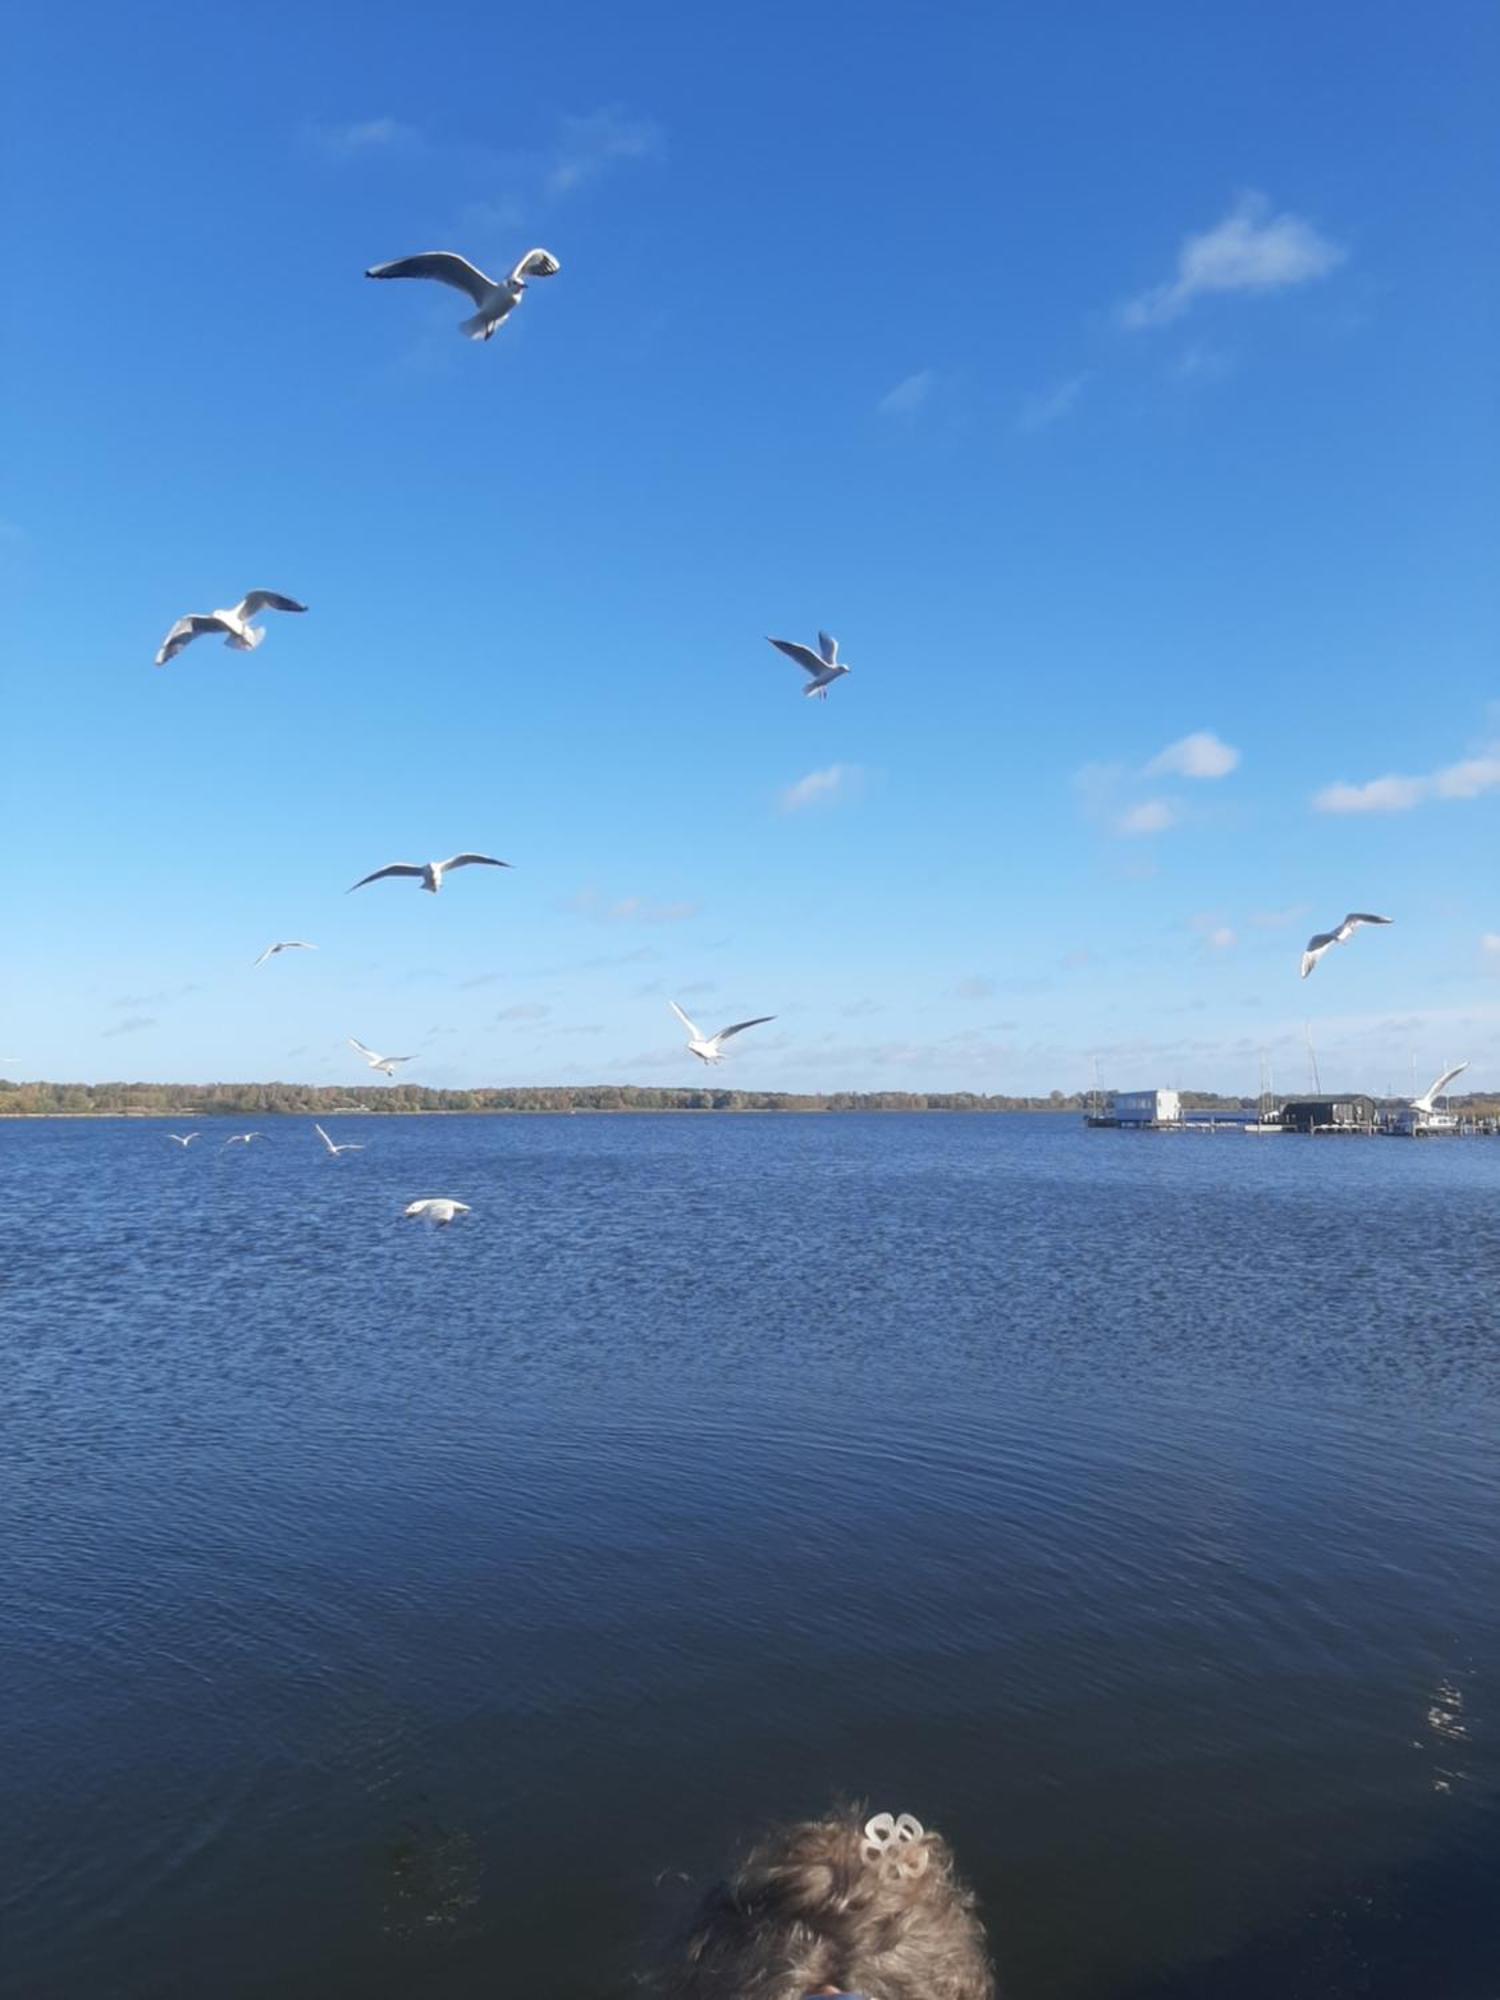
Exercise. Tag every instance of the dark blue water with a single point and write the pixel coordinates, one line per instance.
(390, 1611)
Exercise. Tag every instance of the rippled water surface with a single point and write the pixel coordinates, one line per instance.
(390, 1611)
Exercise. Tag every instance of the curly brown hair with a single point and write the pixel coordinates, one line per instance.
(808, 1909)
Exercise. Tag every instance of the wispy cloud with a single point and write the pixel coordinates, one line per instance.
(1201, 755)
(1250, 250)
(363, 136)
(133, 1026)
(1150, 816)
(1489, 946)
(629, 909)
(1039, 413)
(820, 788)
(975, 987)
(1215, 933)
(524, 1010)
(588, 146)
(1279, 920)
(908, 396)
(1466, 779)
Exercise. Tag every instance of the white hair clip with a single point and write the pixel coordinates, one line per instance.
(894, 1845)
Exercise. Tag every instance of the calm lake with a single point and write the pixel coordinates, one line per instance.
(390, 1611)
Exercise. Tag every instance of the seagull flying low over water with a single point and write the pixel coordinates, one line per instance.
(243, 1138)
(234, 624)
(1323, 942)
(495, 301)
(824, 665)
(435, 1209)
(429, 873)
(385, 1063)
(291, 944)
(706, 1047)
(333, 1151)
(183, 1138)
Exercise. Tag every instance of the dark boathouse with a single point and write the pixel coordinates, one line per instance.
(1329, 1114)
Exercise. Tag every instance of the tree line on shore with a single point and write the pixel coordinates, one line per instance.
(208, 1100)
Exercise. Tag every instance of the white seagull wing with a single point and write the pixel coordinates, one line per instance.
(740, 1027)
(324, 1137)
(444, 265)
(393, 868)
(185, 631)
(468, 861)
(806, 658)
(368, 1054)
(266, 600)
(829, 648)
(1353, 921)
(693, 1029)
(536, 264)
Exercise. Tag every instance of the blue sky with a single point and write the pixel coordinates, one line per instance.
(1107, 379)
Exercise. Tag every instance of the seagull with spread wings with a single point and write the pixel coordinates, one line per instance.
(495, 300)
(429, 873)
(333, 1151)
(234, 623)
(1322, 942)
(183, 1139)
(706, 1047)
(436, 1209)
(243, 1138)
(385, 1064)
(824, 666)
(289, 944)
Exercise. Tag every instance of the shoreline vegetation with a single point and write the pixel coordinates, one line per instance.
(269, 1100)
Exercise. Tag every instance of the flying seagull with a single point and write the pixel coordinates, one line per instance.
(385, 1063)
(291, 944)
(495, 301)
(243, 1138)
(1324, 941)
(334, 1151)
(435, 1209)
(706, 1047)
(183, 1139)
(1434, 1091)
(235, 624)
(429, 873)
(824, 665)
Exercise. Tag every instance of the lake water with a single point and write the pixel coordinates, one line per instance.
(395, 1611)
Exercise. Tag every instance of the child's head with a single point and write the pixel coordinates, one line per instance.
(843, 1905)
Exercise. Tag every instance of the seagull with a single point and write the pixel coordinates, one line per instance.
(706, 1047)
(435, 1210)
(235, 625)
(385, 1063)
(243, 1138)
(824, 665)
(334, 1151)
(495, 301)
(291, 944)
(184, 1139)
(1324, 941)
(430, 873)
(1427, 1101)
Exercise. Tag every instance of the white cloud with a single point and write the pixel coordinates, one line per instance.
(907, 397)
(629, 909)
(1250, 250)
(525, 1010)
(586, 147)
(1279, 920)
(1150, 816)
(975, 987)
(1215, 933)
(820, 788)
(1489, 944)
(1467, 779)
(1201, 755)
(364, 135)
(1038, 413)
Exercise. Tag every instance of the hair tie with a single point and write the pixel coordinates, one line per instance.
(894, 1845)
